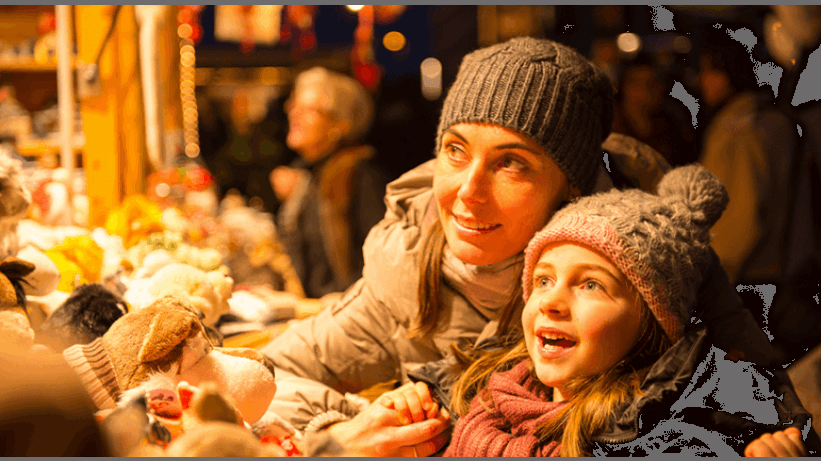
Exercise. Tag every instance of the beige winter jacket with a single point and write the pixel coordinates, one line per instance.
(361, 340)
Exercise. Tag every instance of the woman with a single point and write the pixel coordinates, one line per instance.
(521, 132)
(331, 194)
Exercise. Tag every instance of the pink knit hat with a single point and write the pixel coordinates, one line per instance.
(659, 242)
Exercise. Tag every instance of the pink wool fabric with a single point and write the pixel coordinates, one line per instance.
(600, 236)
(518, 404)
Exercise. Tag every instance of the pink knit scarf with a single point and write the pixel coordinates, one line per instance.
(518, 405)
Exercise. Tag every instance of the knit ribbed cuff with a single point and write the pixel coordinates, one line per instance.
(92, 365)
(323, 420)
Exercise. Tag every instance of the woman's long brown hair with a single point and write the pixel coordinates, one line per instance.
(430, 305)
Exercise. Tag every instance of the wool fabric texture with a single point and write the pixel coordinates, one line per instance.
(542, 89)
(92, 364)
(659, 242)
(503, 418)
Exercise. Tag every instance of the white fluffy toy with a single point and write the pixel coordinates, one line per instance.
(207, 291)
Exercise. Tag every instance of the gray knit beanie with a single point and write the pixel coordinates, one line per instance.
(660, 242)
(542, 89)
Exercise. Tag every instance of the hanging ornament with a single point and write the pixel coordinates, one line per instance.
(188, 19)
(386, 14)
(246, 44)
(362, 57)
(301, 21)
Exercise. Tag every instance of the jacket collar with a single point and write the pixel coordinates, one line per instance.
(663, 384)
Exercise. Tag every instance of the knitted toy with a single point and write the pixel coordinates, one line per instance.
(207, 291)
(86, 315)
(167, 338)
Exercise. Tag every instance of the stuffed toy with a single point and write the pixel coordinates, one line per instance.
(205, 259)
(218, 438)
(86, 315)
(207, 291)
(167, 338)
(15, 327)
(79, 260)
(15, 200)
(135, 218)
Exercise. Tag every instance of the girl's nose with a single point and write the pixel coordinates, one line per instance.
(555, 303)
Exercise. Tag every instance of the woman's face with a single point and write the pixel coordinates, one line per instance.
(582, 318)
(313, 131)
(495, 189)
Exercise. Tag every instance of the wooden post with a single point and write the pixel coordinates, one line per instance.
(114, 155)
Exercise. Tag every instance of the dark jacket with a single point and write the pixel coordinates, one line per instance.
(325, 221)
(695, 401)
(698, 402)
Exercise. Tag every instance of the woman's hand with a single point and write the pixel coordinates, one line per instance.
(378, 431)
(782, 443)
(413, 402)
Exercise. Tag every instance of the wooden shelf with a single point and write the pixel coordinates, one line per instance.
(42, 147)
(27, 65)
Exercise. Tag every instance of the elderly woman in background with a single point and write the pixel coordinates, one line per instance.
(332, 193)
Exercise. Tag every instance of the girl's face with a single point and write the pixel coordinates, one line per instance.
(582, 318)
(495, 189)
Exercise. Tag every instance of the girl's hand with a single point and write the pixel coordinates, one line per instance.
(782, 443)
(413, 402)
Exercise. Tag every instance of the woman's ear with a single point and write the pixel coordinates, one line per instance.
(573, 192)
(341, 129)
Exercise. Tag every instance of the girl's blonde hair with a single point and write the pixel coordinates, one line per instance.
(594, 399)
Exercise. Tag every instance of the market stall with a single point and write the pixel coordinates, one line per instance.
(106, 210)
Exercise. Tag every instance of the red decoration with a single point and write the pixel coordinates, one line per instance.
(284, 442)
(190, 15)
(298, 26)
(364, 68)
(386, 14)
(46, 22)
(247, 42)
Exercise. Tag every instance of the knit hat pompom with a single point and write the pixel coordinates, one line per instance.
(700, 190)
(659, 242)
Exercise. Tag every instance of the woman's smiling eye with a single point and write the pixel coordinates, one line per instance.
(453, 151)
(511, 163)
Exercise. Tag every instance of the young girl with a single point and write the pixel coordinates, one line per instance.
(606, 365)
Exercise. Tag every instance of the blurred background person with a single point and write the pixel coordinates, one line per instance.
(766, 151)
(246, 148)
(332, 193)
(644, 111)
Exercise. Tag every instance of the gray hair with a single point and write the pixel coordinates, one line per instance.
(345, 98)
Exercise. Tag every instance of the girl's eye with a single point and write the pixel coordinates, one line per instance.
(593, 285)
(541, 281)
(511, 163)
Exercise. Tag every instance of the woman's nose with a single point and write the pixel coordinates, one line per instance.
(475, 184)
